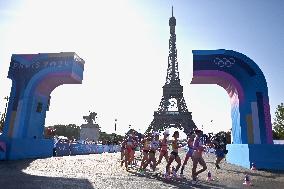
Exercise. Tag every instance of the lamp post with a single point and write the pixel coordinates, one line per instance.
(114, 137)
(211, 123)
(129, 129)
(115, 120)
(6, 105)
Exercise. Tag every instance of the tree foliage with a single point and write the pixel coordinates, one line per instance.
(73, 130)
(223, 137)
(110, 138)
(68, 131)
(278, 124)
(3, 115)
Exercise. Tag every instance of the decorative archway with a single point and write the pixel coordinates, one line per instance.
(34, 77)
(250, 111)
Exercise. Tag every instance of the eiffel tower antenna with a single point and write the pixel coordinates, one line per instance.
(172, 90)
(172, 11)
(172, 75)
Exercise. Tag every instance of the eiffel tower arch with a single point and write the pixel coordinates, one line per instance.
(172, 111)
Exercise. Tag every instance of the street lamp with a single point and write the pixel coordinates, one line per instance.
(115, 120)
(6, 105)
(114, 137)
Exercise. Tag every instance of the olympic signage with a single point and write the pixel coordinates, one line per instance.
(224, 62)
(15, 65)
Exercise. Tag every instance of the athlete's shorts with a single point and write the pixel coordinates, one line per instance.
(219, 153)
(164, 151)
(174, 154)
(145, 151)
(189, 152)
(129, 150)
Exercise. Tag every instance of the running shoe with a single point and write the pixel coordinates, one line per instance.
(175, 174)
(142, 172)
(193, 181)
(167, 176)
(217, 166)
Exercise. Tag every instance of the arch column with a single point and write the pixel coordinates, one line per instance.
(250, 112)
(34, 77)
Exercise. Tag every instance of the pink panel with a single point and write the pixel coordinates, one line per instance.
(53, 80)
(267, 119)
(223, 79)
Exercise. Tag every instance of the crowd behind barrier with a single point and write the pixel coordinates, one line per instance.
(278, 141)
(66, 149)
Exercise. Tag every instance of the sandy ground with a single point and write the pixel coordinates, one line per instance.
(104, 171)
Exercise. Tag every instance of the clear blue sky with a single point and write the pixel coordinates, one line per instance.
(125, 46)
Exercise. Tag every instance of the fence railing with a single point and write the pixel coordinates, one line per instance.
(66, 149)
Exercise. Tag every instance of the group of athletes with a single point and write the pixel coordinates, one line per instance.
(151, 144)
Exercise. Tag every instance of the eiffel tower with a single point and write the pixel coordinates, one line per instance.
(172, 111)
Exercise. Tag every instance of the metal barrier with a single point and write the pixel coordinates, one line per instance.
(66, 149)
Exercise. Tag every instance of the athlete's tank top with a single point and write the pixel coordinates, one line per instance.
(190, 143)
(129, 143)
(197, 144)
(154, 145)
(175, 146)
(146, 145)
(164, 145)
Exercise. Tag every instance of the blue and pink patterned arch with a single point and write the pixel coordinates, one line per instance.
(34, 77)
(246, 87)
(250, 111)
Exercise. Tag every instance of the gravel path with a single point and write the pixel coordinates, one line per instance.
(104, 171)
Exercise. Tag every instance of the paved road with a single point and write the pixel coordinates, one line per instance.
(103, 171)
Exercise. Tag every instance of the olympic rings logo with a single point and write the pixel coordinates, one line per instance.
(224, 62)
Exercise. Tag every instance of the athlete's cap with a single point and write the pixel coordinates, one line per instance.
(166, 132)
(189, 134)
(156, 134)
(198, 131)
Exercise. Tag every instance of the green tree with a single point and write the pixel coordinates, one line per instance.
(278, 124)
(3, 115)
(223, 137)
(105, 137)
(68, 131)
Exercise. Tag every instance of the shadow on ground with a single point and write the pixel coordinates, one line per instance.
(12, 177)
(181, 183)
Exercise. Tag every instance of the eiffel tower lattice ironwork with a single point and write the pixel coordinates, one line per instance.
(172, 111)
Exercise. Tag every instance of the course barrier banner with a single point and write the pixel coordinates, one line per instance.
(66, 149)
